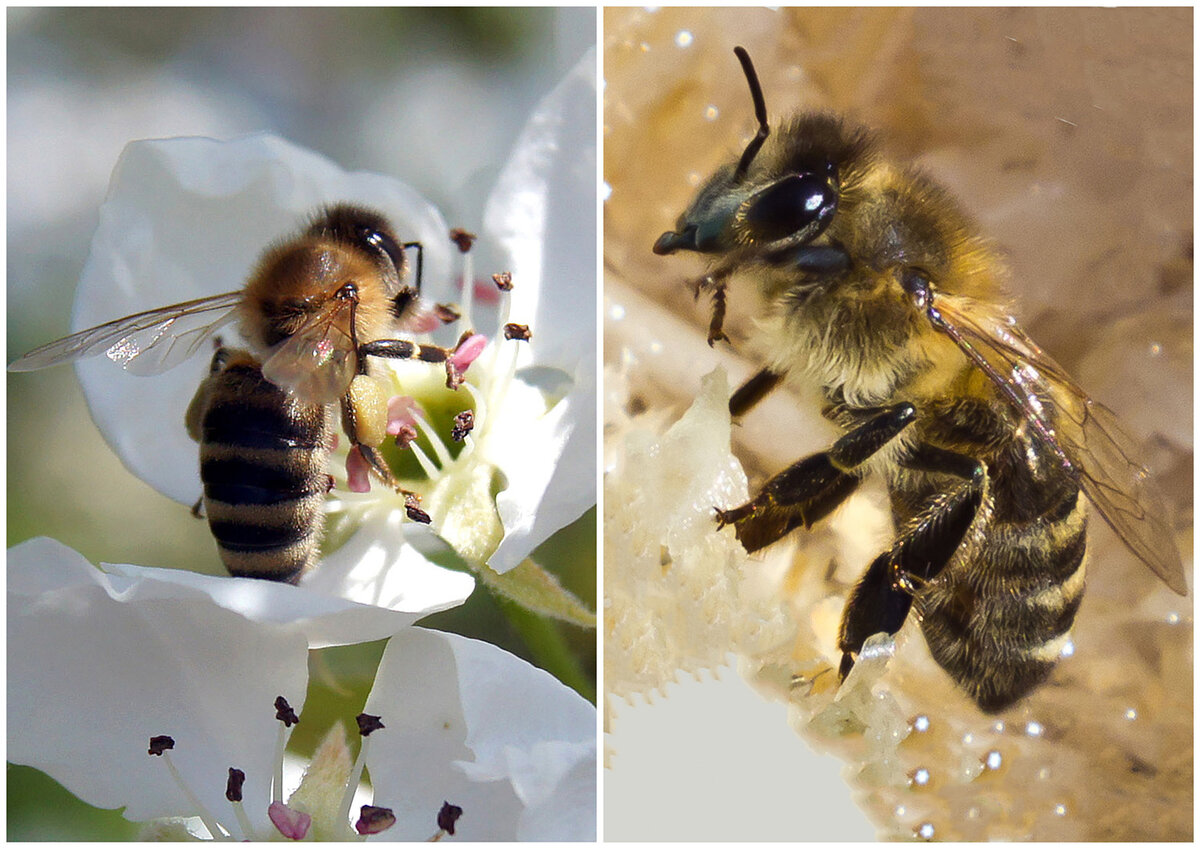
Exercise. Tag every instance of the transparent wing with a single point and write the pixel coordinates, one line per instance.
(147, 343)
(317, 362)
(1084, 435)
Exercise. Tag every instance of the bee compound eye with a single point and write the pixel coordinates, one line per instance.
(797, 204)
(381, 241)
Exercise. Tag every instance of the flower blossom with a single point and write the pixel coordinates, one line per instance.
(172, 694)
(187, 218)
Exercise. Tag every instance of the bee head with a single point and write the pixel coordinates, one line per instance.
(366, 230)
(783, 200)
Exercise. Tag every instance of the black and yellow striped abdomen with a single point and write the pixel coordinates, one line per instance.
(264, 464)
(998, 617)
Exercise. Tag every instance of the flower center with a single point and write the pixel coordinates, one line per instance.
(309, 808)
(433, 432)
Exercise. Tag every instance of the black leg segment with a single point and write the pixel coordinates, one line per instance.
(882, 598)
(812, 488)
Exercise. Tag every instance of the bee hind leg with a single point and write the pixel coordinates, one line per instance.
(883, 596)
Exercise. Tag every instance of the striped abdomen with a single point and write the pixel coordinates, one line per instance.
(998, 618)
(263, 462)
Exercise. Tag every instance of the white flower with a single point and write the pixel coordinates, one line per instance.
(102, 661)
(187, 218)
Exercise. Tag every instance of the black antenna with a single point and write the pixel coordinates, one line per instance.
(760, 112)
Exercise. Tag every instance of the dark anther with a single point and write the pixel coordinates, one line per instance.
(367, 723)
(463, 423)
(517, 331)
(373, 820)
(503, 281)
(284, 712)
(448, 816)
(406, 436)
(417, 514)
(462, 239)
(233, 789)
(447, 313)
(160, 744)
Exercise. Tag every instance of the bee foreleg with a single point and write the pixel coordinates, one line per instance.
(809, 490)
(883, 596)
(404, 349)
(753, 391)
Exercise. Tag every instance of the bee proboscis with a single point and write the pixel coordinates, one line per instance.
(882, 293)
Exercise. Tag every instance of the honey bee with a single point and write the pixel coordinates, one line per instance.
(883, 294)
(313, 313)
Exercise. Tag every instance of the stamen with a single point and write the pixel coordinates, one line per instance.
(439, 447)
(447, 313)
(503, 281)
(446, 819)
(358, 471)
(464, 422)
(505, 300)
(468, 287)
(502, 377)
(366, 725)
(373, 820)
(406, 436)
(284, 712)
(233, 792)
(293, 825)
(428, 466)
(519, 332)
(233, 788)
(159, 747)
(287, 717)
(481, 421)
(462, 239)
(400, 412)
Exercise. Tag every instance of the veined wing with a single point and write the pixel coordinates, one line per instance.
(146, 343)
(318, 361)
(1084, 435)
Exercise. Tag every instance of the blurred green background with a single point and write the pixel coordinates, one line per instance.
(433, 97)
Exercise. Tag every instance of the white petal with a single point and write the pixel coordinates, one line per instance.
(473, 725)
(186, 218)
(380, 566)
(98, 664)
(543, 214)
(551, 473)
